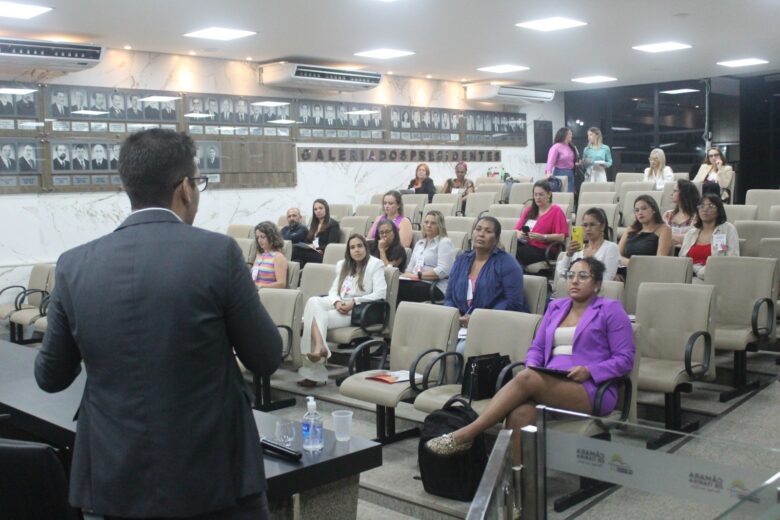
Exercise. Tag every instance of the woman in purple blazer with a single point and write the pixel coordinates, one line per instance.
(586, 337)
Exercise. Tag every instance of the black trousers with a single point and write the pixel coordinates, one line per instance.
(253, 507)
(414, 291)
(528, 255)
(306, 255)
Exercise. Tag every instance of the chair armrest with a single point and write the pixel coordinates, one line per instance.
(482, 213)
(763, 332)
(286, 351)
(432, 294)
(366, 345)
(506, 374)
(413, 368)
(601, 390)
(427, 374)
(24, 294)
(418, 228)
(550, 255)
(689, 346)
(21, 287)
(459, 213)
(364, 313)
(44, 306)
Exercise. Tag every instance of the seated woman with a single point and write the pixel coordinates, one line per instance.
(710, 236)
(323, 230)
(594, 231)
(430, 262)
(422, 182)
(270, 268)
(388, 248)
(586, 336)
(460, 185)
(487, 277)
(681, 217)
(393, 210)
(658, 172)
(540, 223)
(359, 278)
(715, 175)
(648, 235)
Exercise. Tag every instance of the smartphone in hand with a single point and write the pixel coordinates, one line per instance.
(576, 234)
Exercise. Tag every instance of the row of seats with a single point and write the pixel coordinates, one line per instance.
(30, 303)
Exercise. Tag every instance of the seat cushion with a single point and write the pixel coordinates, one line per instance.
(537, 267)
(662, 375)
(345, 335)
(25, 316)
(434, 398)
(41, 324)
(581, 427)
(383, 394)
(8, 308)
(733, 337)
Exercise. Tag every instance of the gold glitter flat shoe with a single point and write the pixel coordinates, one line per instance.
(445, 445)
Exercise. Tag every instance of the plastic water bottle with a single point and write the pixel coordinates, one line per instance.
(312, 427)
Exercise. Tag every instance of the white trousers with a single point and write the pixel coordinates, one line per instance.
(320, 313)
(598, 176)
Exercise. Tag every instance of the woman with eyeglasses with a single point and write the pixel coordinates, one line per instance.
(388, 248)
(540, 224)
(585, 338)
(710, 236)
(594, 231)
(270, 268)
(430, 263)
(685, 197)
(715, 175)
(648, 235)
(393, 210)
(323, 230)
(658, 172)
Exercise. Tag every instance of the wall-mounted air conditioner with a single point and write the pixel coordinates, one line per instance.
(34, 54)
(315, 77)
(508, 95)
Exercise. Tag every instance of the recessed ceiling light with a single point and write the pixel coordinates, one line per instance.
(502, 69)
(679, 91)
(428, 76)
(661, 47)
(197, 115)
(746, 62)
(283, 121)
(269, 103)
(594, 79)
(462, 79)
(159, 99)
(128, 47)
(383, 54)
(220, 33)
(555, 23)
(192, 53)
(361, 112)
(17, 91)
(621, 129)
(249, 58)
(390, 72)
(90, 112)
(21, 11)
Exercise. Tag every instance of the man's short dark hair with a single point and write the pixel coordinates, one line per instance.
(151, 165)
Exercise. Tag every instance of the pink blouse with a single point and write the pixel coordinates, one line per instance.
(551, 223)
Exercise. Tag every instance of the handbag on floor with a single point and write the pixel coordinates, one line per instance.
(480, 376)
(454, 476)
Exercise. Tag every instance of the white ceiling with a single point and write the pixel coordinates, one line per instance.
(451, 38)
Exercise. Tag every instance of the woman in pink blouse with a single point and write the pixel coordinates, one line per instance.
(540, 224)
(561, 157)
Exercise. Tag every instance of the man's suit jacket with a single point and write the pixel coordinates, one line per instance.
(56, 110)
(26, 166)
(25, 108)
(133, 113)
(6, 108)
(78, 164)
(168, 114)
(165, 426)
(99, 165)
(151, 113)
(116, 113)
(61, 165)
(10, 167)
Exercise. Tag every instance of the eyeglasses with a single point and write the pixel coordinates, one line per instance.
(582, 276)
(385, 232)
(201, 182)
(713, 155)
(706, 207)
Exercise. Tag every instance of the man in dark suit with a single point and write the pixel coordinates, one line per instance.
(114, 161)
(6, 105)
(59, 106)
(78, 100)
(60, 161)
(169, 111)
(151, 110)
(26, 105)
(99, 161)
(226, 111)
(212, 161)
(242, 112)
(7, 162)
(27, 161)
(117, 110)
(134, 110)
(165, 428)
(80, 159)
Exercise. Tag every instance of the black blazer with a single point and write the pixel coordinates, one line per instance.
(155, 310)
(427, 187)
(329, 235)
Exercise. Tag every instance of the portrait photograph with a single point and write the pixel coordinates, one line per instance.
(25, 105)
(7, 105)
(98, 101)
(27, 157)
(226, 110)
(59, 103)
(79, 154)
(241, 112)
(117, 108)
(60, 160)
(99, 159)
(151, 110)
(134, 109)
(168, 110)
(78, 100)
(196, 106)
(7, 157)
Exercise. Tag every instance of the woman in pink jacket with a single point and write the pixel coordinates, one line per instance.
(587, 339)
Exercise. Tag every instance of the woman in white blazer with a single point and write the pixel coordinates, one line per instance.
(360, 278)
(658, 172)
(710, 236)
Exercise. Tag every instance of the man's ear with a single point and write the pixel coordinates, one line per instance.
(183, 192)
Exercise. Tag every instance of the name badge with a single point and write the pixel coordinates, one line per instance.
(348, 286)
(530, 223)
(470, 291)
(316, 243)
(719, 242)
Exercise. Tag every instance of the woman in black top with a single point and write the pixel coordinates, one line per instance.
(422, 182)
(388, 246)
(648, 235)
(322, 231)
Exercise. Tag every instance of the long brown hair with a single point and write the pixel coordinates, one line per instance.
(352, 268)
(316, 223)
(636, 227)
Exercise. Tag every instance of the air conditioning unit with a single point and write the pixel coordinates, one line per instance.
(34, 54)
(314, 77)
(508, 95)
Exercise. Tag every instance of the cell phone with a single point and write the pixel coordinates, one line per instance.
(526, 229)
(576, 234)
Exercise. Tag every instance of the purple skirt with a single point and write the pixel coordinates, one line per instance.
(609, 400)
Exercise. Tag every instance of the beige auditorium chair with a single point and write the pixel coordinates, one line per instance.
(490, 331)
(376, 198)
(445, 208)
(316, 280)
(675, 340)
(622, 177)
(368, 210)
(333, 253)
(611, 210)
(339, 211)
(30, 306)
(774, 213)
(446, 198)
(411, 212)
(482, 181)
(287, 250)
(358, 224)
(627, 209)
(37, 283)
(293, 274)
(414, 200)
(248, 248)
(752, 231)
(465, 224)
(497, 188)
(563, 199)
(460, 239)
(420, 331)
(599, 187)
(764, 199)
(245, 230)
(744, 286)
(535, 293)
(508, 241)
(625, 187)
(522, 193)
(506, 211)
(589, 198)
(770, 248)
(280, 222)
(508, 224)
(643, 269)
(736, 212)
(666, 197)
(611, 289)
(478, 203)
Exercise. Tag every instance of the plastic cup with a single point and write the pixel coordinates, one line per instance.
(342, 424)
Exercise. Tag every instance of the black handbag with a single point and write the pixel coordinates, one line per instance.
(365, 314)
(481, 374)
(455, 476)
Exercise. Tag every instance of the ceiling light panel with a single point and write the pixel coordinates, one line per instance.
(383, 54)
(21, 11)
(555, 23)
(745, 62)
(679, 91)
(661, 47)
(220, 33)
(503, 69)
(17, 91)
(594, 79)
